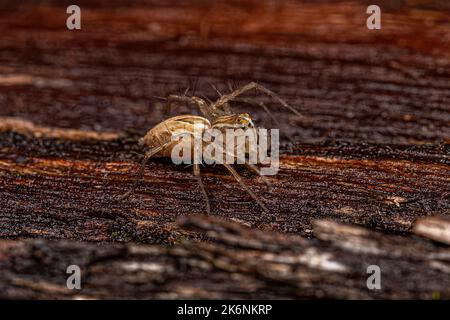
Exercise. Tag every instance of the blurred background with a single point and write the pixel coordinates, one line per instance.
(350, 83)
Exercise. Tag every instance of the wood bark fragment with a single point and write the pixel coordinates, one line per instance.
(235, 262)
(435, 228)
(27, 128)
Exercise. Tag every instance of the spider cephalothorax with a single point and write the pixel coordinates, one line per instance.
(234, 121)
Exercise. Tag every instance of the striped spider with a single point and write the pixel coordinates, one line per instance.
(216, 115)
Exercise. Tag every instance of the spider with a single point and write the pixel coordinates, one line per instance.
(216, 115)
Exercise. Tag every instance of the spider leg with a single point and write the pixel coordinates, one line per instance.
(256, 170)
(202, 187)
(173, 99)
(225, 109)
(244, 186)
(251, 86)
(204, 97)
(140, 173)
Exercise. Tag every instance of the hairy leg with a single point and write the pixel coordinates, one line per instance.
(225, 109)
(243, 185)
(252, 86)
(256, 170)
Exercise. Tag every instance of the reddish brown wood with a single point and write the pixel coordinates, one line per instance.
(371, 149)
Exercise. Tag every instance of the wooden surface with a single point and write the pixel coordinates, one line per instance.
(236, 262)
(371, 149)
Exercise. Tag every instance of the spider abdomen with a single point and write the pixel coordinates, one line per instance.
(165, 131)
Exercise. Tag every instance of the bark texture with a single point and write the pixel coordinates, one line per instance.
(372, 149)
(234, 262)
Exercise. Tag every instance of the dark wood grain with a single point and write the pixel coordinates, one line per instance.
(236, 262)
(371, 149)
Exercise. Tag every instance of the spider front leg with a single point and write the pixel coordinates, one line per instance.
(225, 109)
(252, 86)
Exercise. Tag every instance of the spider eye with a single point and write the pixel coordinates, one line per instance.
(244, 118)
